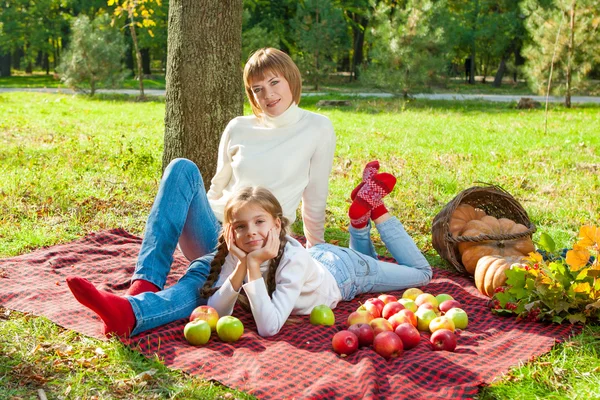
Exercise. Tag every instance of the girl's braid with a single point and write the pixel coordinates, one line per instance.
(274, 263)
(215, 268)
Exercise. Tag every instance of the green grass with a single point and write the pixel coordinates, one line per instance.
(71, 165)
(41, 80)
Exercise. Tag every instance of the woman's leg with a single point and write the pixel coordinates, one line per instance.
(176, 302)
(180, 213)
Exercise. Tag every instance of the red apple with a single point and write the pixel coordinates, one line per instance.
(443, 339)
(344, 343)
(206, 313)
(390, 309)
(409, 335)
(442, 322)
(364, 332)
(374, 306)
(388, 345)
(380, 325)
(403, 316)
(360, 317)
(387, 298)
(426, 298)
(448, 305)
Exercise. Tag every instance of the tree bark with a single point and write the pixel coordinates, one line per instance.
(570, 55)
(5, 64)
(146, 61)
(358, 42)
(500, 73)
(138, 55)
(204, 79)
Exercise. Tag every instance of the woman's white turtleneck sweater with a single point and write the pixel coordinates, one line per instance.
(291, 155)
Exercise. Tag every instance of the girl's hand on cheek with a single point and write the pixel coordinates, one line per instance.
(232, 247)
(269, 250)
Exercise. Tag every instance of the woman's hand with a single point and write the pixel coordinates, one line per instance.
(232, 247)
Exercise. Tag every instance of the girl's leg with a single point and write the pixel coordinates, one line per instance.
(176, 302)
(360, 240)
(180, 213)
(401, 245)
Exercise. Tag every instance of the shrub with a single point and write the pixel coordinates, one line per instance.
(94, 55)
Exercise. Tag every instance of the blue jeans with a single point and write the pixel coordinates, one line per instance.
(180, 214)
(357, 270)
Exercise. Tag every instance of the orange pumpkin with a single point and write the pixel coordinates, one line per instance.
(490, 272)
(471, 252)
(461, 215)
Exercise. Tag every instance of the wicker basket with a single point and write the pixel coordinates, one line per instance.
(492, 199)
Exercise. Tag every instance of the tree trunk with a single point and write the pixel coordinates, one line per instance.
(146, 61)
(138, 55)
(204, 79)
(5, 64)
(570, 55)
(358, 33)
(500, 73)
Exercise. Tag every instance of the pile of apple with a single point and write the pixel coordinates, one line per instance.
(205, 320)
(393, 325)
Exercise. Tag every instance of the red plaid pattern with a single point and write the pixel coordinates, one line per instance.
(298, 362)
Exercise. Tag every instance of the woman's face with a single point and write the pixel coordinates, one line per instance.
(272, 94)
(251, 225)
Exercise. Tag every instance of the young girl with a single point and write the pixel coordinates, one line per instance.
(281, 278)
(299, 142)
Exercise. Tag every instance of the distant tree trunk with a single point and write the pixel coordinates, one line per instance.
(146, 61)
(204, 79)
(472, 66)
(500, 73)
(138, 55)
(570, 55)
(5, 64)
(358, 33)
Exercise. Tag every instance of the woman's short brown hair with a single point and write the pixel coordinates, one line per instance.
(275, 61)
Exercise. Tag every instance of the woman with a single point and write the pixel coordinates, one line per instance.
(281, 147)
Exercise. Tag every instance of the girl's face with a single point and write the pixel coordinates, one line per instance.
(273, 94)
(251, 225)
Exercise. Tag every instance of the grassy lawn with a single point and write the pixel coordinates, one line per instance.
(41, 80)
(71, 165)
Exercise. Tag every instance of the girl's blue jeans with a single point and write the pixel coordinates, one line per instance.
(357, 269)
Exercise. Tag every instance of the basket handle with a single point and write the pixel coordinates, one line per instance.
(482, 238)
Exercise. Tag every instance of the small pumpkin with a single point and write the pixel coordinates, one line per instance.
(461, 215)
(490, 272)
(471, 252)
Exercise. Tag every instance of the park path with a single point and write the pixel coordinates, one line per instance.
(430, 96)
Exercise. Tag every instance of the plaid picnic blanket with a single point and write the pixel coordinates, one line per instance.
(298, 363)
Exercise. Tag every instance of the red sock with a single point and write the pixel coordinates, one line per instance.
(368, 201)
(370, 170)
(142, 286)
(115, 311)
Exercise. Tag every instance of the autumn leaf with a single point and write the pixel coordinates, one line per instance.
(535, 257)
(577, 258)
(582, 287)
(589, 236)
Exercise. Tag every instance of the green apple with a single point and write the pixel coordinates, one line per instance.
(459, 317)
(408, 304)
(443, 297)
(322, 315)
(424, 317)
(229, 329)
(197, 332)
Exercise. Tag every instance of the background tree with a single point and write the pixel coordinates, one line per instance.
(94, 54)
(139, 15)
(321, 36)
(204, 79)
(408, 49)
(575, 53)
